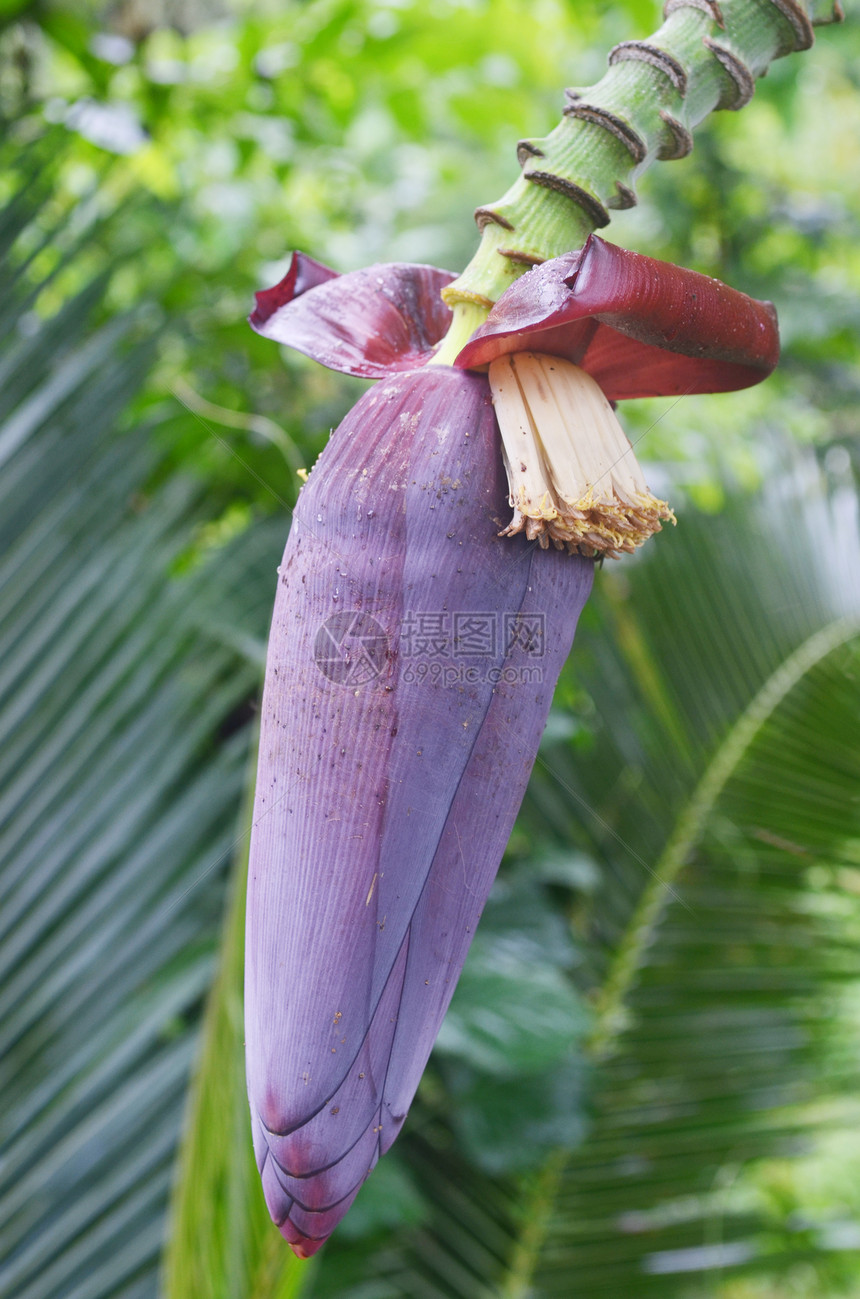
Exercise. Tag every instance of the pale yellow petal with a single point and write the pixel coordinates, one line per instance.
(573, 476)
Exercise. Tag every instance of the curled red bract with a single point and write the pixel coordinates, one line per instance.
(370, 323)
(640, 327)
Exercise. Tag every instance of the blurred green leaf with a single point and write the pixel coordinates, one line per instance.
(222, 1243)
(507, 1125)
(123, 756)
(514, 1010)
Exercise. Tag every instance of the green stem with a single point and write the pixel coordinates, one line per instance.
(539, 1200)
(707, 55)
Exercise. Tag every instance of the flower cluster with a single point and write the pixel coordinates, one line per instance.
(385, 797)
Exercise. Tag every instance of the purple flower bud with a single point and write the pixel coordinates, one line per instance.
(411, 667)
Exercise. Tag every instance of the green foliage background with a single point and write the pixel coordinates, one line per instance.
(666, 1105)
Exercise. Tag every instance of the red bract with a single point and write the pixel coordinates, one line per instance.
(412, 661)
(371, 323)
(640, 327)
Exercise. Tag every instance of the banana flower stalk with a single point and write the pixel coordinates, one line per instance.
(417, 637)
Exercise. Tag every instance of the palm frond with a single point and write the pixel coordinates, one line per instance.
(222, 1244)
(123, 712)
(719, 1002)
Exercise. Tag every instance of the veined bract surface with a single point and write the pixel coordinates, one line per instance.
(390, 774)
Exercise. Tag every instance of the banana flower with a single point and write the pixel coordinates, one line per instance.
(417, 637)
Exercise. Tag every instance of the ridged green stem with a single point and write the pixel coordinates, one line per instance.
(706, 56)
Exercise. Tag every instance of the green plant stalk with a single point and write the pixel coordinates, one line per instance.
(221, 1243)
(706, 56)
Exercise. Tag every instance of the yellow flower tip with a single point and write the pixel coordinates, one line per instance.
(572, 475)
(303, 474)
